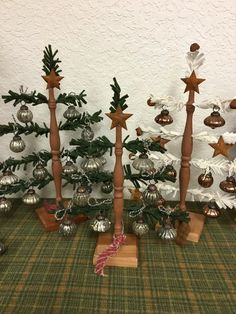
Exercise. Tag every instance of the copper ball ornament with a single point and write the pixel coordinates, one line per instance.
(211, 210)
(228, 185)
(71, 113)
(40, 172)
(206, 180)
(5, 205)
(143, 163)
(164, 118)
(170, 171)
(8, 178)
(17, 145)
(30, 197)
(24, 115)
(215, 120)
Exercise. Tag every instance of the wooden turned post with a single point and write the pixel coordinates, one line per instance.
(118, 183)
(54, 139)
(186, 151)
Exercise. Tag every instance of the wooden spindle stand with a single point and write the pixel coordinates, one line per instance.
(197, 220)
(127, 256)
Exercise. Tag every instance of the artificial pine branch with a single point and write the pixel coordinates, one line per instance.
(19, 98)
(93, 176)
(50, 62)
(97, 147)
(29, 128)
(34, 158)
(72, 99)
(137, 145)
(117, 99)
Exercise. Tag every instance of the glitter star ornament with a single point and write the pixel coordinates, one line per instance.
(52, 79)
(118, 118)
(192, 83)
(221, 148)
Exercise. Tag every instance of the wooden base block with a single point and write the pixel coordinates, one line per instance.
(48, 220)
(127, 255)
(196, 226)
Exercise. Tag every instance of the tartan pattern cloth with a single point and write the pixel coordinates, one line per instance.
(44, 273)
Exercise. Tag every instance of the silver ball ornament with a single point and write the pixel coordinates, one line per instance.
(87, 133)
(17, 145)
(30, 197)
(8, 178)
(143, 163)
(107, 187)
(167, 232)
(91, 164)
(40, 172)
(24, 115)
(69, 168)
(71, 113)
(140, 227)
(81, 196)
(151, 195)
(67, 228)
(5, 205)
(3, 248)
(100, 223)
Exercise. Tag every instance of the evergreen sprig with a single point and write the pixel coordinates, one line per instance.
(15, 164)
(97, 147)
(117, 99)
(81, 121)
(33, 98)
(29, 128)
(136, 178)
(94, 177)
(137, 145)
(72, 99)
(50, 61)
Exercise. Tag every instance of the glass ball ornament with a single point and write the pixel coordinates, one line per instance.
(140, 227)
(67, 228)
(91, 164)
(228, 185)
(5, 205)
(69, 168)
(164, 118)
(167, 232)
(211, 210)
(8, 178)
(81, 196)
(71, 113)
(3, 248)
(30, 197)
(100, 223)
(24, 114)
(170, 171)
(215, 120)
(17, 145)
(151, 195)
(107, 187)
(40, 172)
(143, 163)
(206, 180)
(87, 133)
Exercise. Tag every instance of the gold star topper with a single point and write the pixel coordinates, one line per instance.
(192, 83)
(221, 148)
(52, 79)
(118, 118)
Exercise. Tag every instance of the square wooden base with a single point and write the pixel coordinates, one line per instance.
(48, 220)
(127, 255)
(196, 226)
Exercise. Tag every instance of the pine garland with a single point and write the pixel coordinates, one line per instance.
(117, 100)
(19, 98)
(50, 62)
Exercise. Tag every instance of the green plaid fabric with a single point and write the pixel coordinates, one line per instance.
(44, 273)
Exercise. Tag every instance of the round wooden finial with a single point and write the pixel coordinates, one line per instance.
(194, 47)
